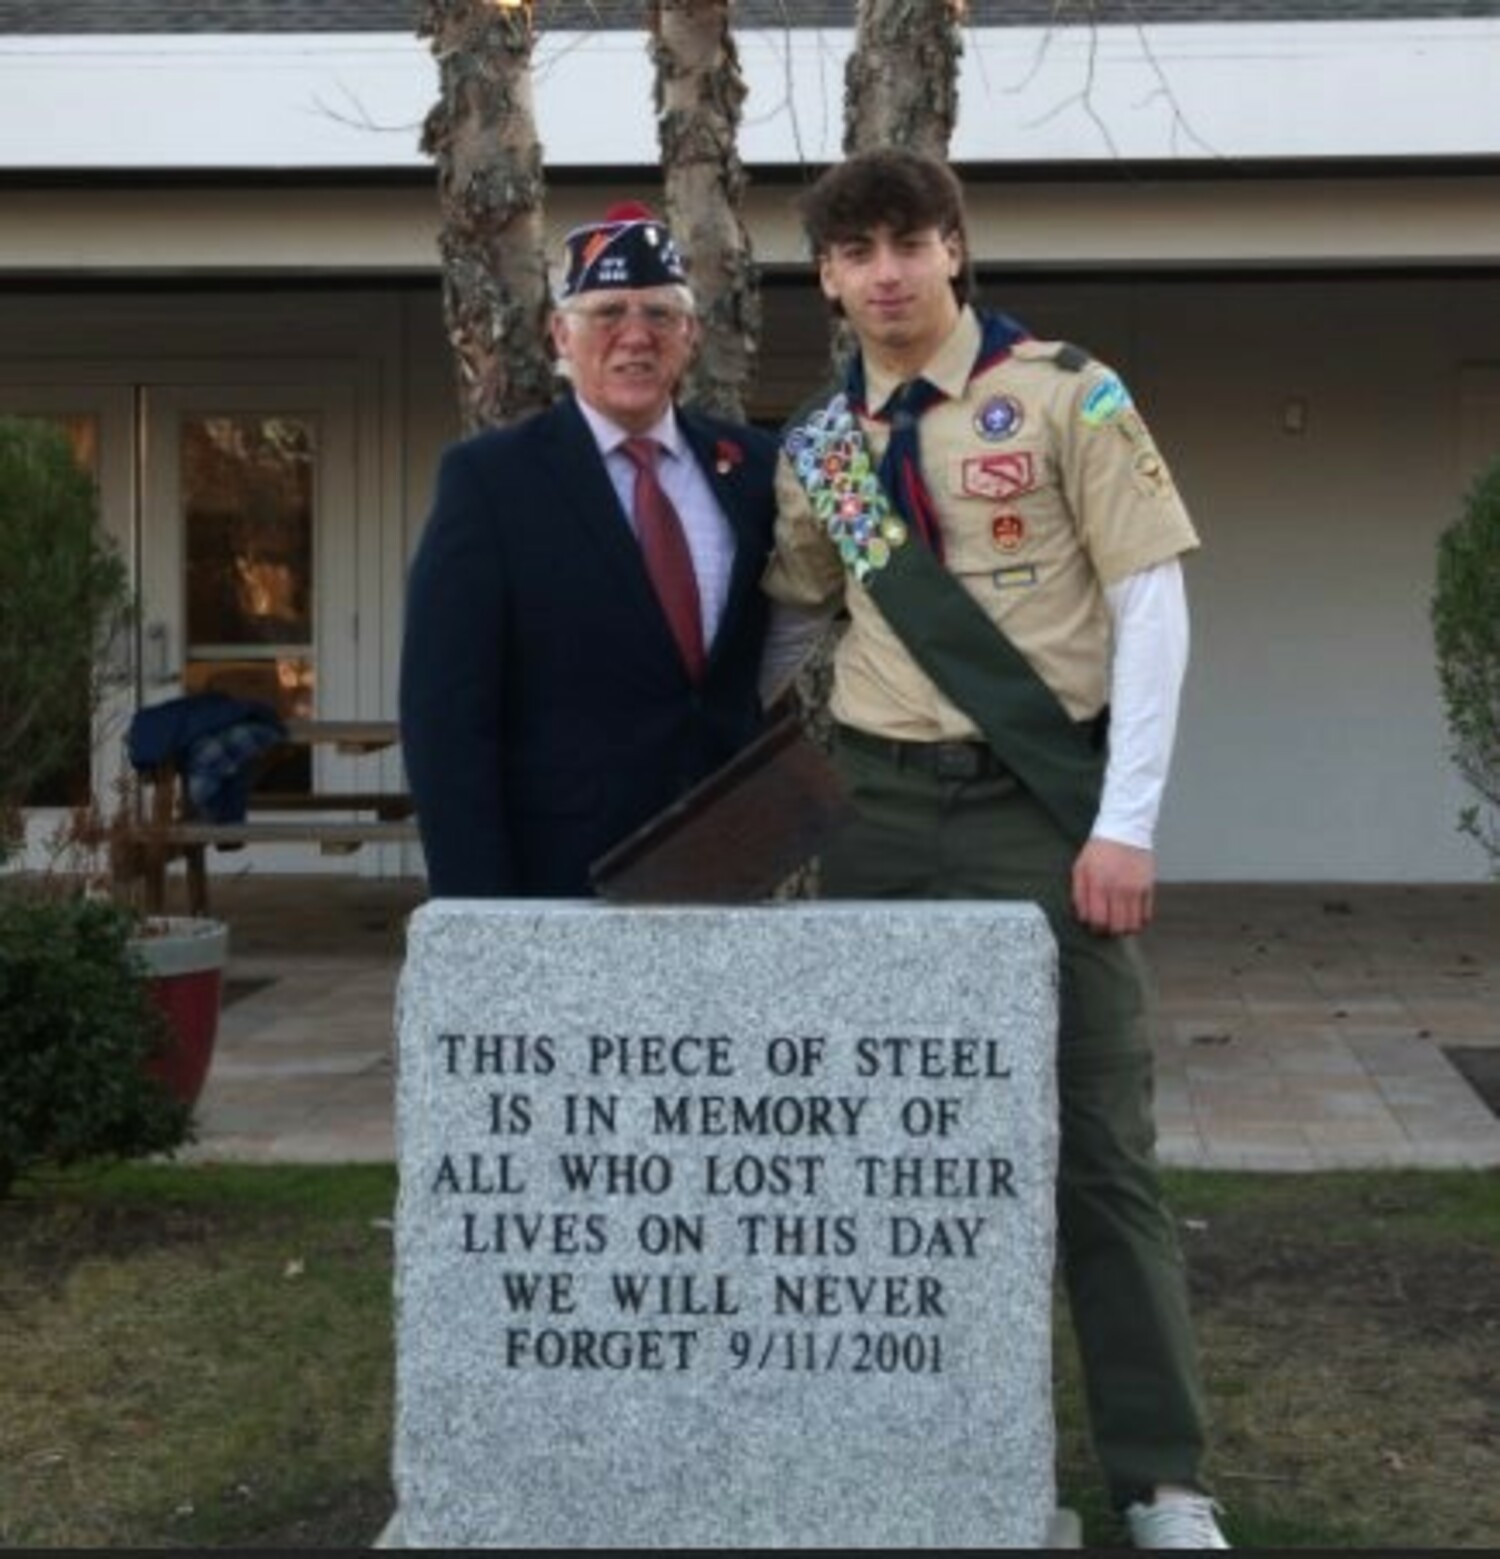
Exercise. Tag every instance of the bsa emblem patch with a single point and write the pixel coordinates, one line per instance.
(999, 418)
(1008, 531)
(997, 476)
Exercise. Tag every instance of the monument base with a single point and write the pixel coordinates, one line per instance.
(1065, 1530)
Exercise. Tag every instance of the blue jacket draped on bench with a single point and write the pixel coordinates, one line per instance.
(213, 739)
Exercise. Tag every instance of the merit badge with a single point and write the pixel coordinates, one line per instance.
(999, 418)
(997, 476)
(833, 465)
(1107, 399)
(1008, 531)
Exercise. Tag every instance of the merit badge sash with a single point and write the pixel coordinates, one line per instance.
(942, 627)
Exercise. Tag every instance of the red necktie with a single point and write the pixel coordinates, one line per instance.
(668, 560)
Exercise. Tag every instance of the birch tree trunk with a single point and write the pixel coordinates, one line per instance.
(700, 92)
(901, 81)
(482, 135)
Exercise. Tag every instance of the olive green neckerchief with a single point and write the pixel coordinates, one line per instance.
(943, 628)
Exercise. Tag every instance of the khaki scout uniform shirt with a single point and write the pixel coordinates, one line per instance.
(1048, 487)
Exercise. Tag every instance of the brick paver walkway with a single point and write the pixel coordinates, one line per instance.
(1302, 1026)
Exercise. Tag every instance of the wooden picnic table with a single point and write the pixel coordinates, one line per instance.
(348, 736)
(337, 822)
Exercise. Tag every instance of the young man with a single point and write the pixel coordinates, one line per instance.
(1005, 535)
(584, 622)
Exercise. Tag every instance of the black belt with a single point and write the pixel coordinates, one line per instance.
(942, 760)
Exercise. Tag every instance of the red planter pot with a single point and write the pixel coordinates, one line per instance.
(185, 958)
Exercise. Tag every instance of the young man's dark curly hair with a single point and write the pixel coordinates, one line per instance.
(901, 190)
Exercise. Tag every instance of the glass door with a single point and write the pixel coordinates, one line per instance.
(249, 566)
(248, 552)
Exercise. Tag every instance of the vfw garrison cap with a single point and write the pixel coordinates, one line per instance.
(630, 248)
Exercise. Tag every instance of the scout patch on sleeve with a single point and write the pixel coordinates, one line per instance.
(997, 476)
(1105, 401)
(1150, 474)
(1148, 470)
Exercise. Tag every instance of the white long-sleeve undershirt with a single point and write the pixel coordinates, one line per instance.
(1150, 616)
(790, 637)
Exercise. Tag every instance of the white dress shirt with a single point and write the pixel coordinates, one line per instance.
(705, 525)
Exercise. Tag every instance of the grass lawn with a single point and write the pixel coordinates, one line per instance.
(201, 1357)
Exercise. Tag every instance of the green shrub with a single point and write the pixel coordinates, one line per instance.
(64, 599)
(77, 1027)
(1466, 626)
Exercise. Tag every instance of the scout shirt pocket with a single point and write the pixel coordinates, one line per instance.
(1006, 520)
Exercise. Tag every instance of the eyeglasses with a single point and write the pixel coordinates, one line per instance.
(661, 319)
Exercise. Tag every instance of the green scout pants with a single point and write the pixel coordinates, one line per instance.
(917, 836)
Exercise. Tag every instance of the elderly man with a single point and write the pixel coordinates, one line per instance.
(584, 622)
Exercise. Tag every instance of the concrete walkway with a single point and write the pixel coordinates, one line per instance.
(1302, 1027)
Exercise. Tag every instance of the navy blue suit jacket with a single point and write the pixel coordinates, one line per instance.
(545, 711)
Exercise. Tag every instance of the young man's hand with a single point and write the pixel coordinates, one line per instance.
(1114, 887)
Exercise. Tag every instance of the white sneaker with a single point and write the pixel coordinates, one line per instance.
(1175, 1519)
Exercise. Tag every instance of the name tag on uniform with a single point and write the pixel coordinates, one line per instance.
(1016, 577)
